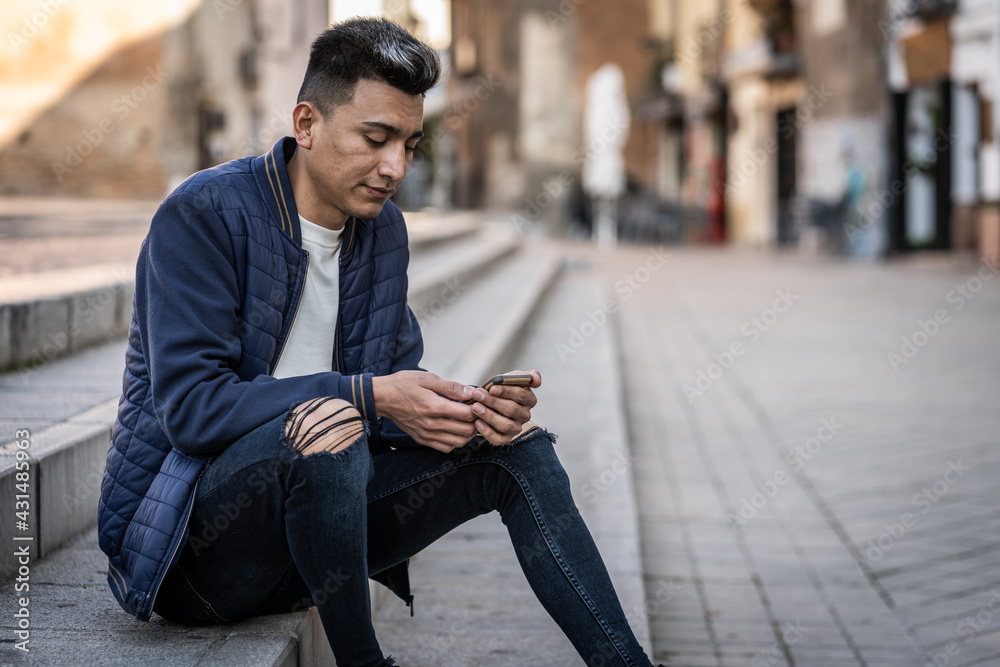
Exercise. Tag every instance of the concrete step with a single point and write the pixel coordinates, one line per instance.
(440, 274)
(46, 315)
(470, 339)
(66, 455)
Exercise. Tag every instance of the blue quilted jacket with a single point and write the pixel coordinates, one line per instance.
(217, 283)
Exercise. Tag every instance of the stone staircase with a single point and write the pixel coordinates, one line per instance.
(476, 287)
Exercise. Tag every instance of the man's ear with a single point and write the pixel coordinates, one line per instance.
(304, 116)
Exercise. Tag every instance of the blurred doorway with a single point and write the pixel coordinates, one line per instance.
(923, 147)
(787, 133)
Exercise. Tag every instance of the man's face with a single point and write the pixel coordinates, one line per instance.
(359, 154)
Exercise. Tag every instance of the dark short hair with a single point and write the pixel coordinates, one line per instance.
(366, 48)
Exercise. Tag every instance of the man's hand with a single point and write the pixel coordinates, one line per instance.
(418, 403)
(501, 412)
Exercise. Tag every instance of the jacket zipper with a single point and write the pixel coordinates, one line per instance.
(335, 361)
(340, 285)
(291, 318)
(173, 554)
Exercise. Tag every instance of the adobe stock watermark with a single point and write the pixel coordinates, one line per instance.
(928, 497)
(332, 583)
(447, 636)
(121, 107)
(33, 25)
(796, 458)
(598, 484)
(279, 124)
(926, 330)
(874, 209)
(666, 591)
(558, 17)
(418, 494)
(555, 526)
(448, 294)
(625, 288)
(791, 634)
(967, 629)
(201, 537)
(223, 7)
(900, 11)
(752, 329)
(555, 185)
(459, 111)
(707, 36)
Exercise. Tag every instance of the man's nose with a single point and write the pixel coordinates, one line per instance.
(393, 165)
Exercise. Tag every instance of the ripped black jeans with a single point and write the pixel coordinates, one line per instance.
(274, 530)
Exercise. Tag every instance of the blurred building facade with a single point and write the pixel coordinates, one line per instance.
(519, 71)
(862, 127)
(944, 78)
(218, 84)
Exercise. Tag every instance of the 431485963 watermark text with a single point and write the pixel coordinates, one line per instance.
(22, 539)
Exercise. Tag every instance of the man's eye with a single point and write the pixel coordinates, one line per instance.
(375, 143)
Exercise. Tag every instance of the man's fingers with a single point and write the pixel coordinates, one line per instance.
(519, 395)
(510, 401)
(452, 431)
(456, 391)
(493, 420)
(491, 434)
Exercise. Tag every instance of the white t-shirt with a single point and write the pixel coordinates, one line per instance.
(309, 347)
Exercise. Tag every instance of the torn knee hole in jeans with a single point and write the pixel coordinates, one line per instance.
(323, 425)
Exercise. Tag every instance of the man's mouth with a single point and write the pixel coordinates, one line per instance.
(380, 193)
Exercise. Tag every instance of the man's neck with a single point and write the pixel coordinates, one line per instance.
(307, 202)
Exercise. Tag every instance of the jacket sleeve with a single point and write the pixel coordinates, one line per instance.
(409, 350)
(188, 312)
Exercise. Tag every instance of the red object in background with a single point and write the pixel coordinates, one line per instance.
(715, 207)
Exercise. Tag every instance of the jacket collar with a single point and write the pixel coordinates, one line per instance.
(271, 170)
(272, 174)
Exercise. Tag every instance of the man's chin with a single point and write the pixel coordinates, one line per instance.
(367, 211)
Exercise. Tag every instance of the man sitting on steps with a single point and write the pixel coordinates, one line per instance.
(273, 415)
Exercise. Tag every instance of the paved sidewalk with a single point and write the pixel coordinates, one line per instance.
(802, 501)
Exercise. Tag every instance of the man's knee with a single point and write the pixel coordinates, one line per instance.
(323, 425)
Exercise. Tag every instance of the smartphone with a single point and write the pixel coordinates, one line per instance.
(514, 380)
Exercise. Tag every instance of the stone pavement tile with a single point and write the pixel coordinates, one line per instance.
(682, 621)
(942, 579)
(751, 633)
(979, 559)
(966, 605)
(947, 589)
(658, 565)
